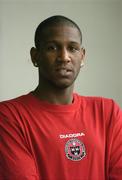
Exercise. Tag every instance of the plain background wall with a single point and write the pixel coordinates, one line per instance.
(101, 24)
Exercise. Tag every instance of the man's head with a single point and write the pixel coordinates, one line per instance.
(53, 21)
(58, 53)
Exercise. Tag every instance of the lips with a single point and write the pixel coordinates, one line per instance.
(64, 68)
(64, 71)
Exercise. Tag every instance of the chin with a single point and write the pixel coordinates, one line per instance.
(63, 85)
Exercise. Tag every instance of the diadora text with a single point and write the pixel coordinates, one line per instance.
(71, 135)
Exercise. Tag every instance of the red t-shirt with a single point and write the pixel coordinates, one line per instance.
(42, 141)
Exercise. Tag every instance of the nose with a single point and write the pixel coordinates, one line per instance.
(64, 55)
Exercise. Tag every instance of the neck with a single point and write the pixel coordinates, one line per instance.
(54, 95)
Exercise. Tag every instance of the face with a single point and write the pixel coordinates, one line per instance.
(60, 56)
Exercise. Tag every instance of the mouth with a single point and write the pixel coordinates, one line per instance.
(64, 71)
(65, 68)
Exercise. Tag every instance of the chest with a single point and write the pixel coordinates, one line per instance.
(78, 133)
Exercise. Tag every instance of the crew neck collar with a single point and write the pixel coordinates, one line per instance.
(55, 107)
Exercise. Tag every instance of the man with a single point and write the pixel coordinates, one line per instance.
(53, 133)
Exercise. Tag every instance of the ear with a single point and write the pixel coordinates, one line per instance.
(83, 52)
(34, 56)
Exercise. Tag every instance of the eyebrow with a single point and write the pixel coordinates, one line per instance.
(56, 42)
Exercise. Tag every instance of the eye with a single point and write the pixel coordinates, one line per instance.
(74, 48)
(51, 47)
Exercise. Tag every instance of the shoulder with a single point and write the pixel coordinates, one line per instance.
(95, 100)
(106, 110)
(12, 106)
(101, 104)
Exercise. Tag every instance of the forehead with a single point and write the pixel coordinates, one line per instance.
(62, 34)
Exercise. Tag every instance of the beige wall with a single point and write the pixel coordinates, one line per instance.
(101, 23)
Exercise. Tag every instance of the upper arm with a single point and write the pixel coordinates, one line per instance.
(16, 162)
(115, 145)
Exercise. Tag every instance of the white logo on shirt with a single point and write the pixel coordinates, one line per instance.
(62, 136)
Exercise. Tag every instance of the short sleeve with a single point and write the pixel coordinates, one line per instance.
(115, 144)
(16, 162)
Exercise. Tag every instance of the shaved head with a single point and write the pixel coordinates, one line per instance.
(53, 21)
